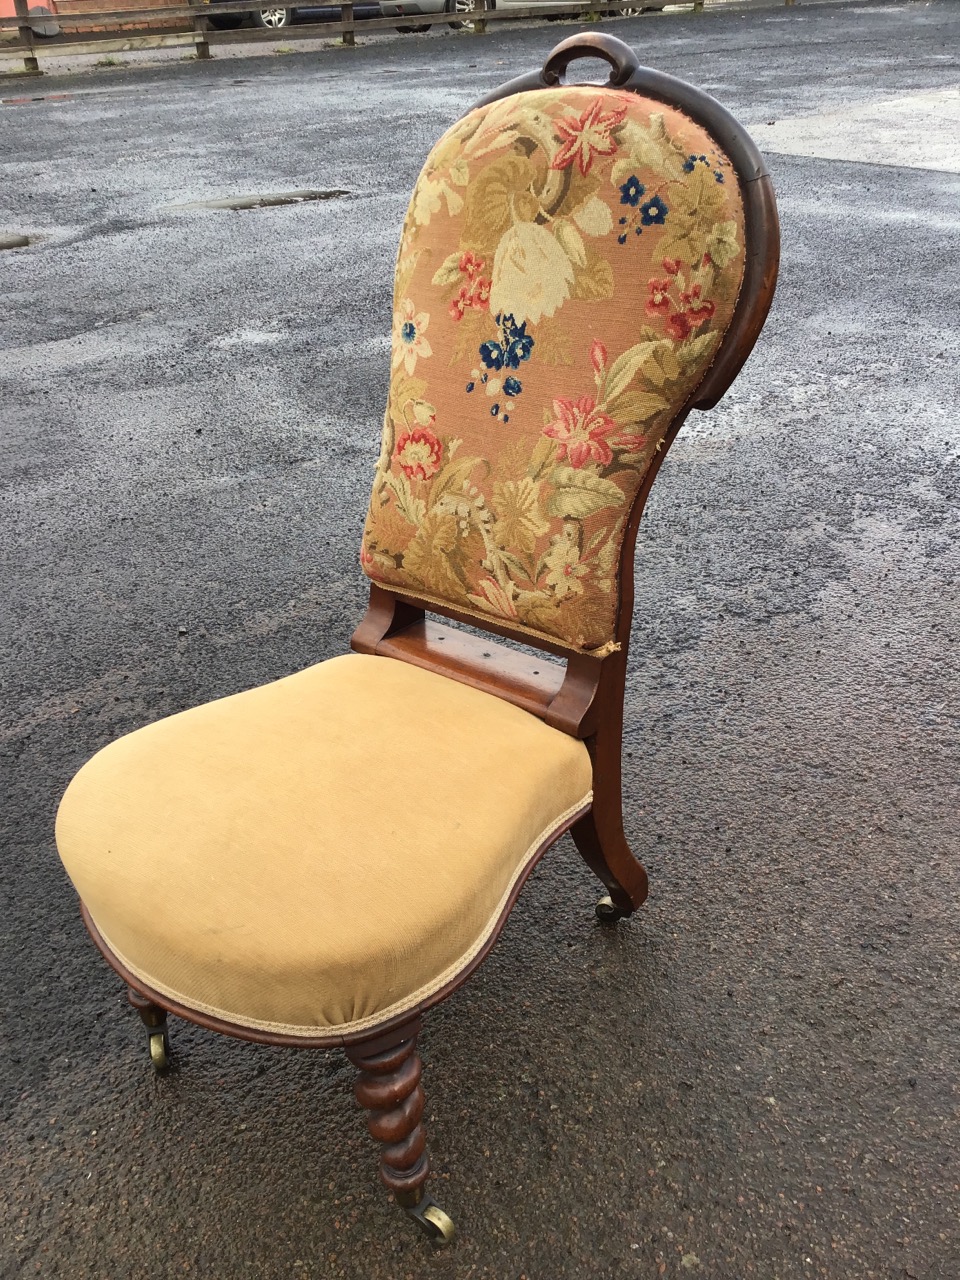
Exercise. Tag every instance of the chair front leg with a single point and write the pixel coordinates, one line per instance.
(388, 1088)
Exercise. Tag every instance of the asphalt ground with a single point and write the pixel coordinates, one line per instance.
(758, 1074)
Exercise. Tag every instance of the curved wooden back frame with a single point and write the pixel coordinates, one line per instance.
(585, 698)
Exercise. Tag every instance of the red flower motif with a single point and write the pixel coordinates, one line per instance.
(678, 326)
(470, 264)
(699, 310)
(581, 431)
(418, 453)
(632, 443)
(480, 297)
(585, 136)
(659, 300)
(460, 303)
(475, 294)
(671, 266)
(598, 356)
(706, 261)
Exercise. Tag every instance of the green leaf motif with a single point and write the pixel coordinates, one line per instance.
(449, 272)
(636, 406)
(594, 282)
(572, 242)
(625, 368)
(411, 508)
(579, 494)
(694, 350)
(722, 243)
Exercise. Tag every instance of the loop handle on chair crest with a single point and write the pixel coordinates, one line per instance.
(592, 44)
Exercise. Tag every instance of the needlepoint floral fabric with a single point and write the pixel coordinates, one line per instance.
(569, 263)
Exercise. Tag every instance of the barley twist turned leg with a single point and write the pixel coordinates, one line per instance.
(389, 1089)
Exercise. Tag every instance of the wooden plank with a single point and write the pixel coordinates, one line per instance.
(109, 42)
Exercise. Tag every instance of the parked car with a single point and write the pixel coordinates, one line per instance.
(276, 17)
(414, 7)
(410, 8)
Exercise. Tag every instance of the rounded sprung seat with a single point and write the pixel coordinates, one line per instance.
(322, 853)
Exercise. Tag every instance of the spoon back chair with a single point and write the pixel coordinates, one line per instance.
(319, 861)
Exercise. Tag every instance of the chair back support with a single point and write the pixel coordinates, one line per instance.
(570, 263)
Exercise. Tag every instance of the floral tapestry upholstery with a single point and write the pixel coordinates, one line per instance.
(569, 263)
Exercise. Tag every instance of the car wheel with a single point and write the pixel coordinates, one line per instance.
(272, 19)
(464, 7)
(458, 6)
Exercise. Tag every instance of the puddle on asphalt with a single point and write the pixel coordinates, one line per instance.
(259, 201)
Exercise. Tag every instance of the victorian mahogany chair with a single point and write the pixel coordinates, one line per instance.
(319, 861)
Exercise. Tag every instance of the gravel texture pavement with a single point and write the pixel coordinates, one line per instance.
(758, 1075)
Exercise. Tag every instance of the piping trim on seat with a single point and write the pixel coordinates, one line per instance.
(401, 1006)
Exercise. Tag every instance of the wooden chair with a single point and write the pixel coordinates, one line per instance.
(319, 861)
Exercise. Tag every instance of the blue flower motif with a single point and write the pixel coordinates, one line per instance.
(494, 410)
(518, 350)
(408, 331)
(470, 386)
(631, 191)
(491, 353)
(512, 387)
(505, 418)
(718, 175)
(653, 211)
(621, 239)
(689, 163)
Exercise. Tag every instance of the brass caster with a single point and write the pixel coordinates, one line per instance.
(431, 1219)
(608, 912)
(157, 1041)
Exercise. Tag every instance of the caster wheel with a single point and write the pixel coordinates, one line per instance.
(435, 1224)
(608, 912)
(157, 1041)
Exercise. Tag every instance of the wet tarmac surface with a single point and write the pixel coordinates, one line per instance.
(759, 1074)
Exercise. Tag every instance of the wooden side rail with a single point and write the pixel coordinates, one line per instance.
(562, 694)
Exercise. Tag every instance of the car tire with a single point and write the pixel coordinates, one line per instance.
(272, 19)
(457, 6)
(468, 23)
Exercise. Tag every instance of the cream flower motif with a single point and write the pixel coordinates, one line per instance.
(409, 344)
(531, 274)
(563, 561)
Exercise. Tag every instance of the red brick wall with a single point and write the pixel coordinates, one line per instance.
(66, 7)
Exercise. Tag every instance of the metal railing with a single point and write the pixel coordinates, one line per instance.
(188, 23)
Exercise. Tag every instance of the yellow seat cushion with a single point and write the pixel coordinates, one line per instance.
(319, 854)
